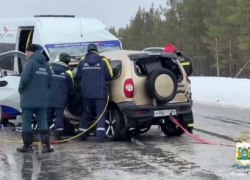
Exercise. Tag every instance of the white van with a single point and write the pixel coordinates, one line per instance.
(56, 34)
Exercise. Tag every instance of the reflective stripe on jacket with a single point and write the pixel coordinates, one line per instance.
(71, 74)
(186, 64)
(94, 71)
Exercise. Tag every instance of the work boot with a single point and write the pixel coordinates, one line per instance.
(27, 141)
(102, 140)
(101, 136)
(84, 134)
(83, 138)
(45, 139)
(58, 135)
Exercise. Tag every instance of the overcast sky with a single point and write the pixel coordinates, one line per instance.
(115, 13)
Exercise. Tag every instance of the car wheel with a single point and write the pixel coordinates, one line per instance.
(75, 102)
(69, 129)
(162, 85)
(170, 129)
(138, 131)
(115, 124)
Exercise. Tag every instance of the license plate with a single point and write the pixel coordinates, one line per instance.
(166, 112)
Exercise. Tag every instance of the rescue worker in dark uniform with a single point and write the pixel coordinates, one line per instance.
(184, 61)
(61, 88)
(94, 71)
(34, 90)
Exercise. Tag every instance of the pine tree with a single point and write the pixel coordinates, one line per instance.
(241, 18)
(222, 37)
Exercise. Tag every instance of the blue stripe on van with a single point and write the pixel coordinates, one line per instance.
(114, 43)
(9, 111)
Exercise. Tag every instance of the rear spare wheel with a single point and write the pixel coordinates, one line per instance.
(162, 85)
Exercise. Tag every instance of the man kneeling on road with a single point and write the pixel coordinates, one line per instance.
(94, 71)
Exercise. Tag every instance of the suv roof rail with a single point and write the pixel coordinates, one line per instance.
(69, 16)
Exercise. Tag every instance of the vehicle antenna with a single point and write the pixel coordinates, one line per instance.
(81, 26)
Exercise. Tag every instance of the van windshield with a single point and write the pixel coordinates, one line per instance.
(79, 49)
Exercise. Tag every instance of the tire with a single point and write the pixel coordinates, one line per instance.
(170, 129)
(75, 102)
(68, 129)
(138, 131)
(162, 78)
(115, 124)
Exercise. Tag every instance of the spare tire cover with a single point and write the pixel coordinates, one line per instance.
(162, 85)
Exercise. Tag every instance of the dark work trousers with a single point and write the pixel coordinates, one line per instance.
(27, 116)
(56, 113)
(98, 106)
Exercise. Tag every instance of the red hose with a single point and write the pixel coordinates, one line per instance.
(197, 138)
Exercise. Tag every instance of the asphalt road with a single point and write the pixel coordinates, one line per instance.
(150, 156)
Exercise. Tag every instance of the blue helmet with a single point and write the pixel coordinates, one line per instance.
(92, 47)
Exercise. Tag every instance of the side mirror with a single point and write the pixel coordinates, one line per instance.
(3, 83)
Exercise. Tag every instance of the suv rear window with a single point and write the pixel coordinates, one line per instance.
(144, 66)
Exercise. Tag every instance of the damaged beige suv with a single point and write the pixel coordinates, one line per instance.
(145, 91)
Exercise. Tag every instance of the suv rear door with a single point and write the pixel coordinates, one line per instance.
(168, 83)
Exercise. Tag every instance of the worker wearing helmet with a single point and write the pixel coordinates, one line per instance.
(170, 48)
(185, 61)
(61, 88)
(94, 71)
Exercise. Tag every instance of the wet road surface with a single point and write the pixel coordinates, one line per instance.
(150, 156)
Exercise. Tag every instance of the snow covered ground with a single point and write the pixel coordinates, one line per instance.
(221, 91)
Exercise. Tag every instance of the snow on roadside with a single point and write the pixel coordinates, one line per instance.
(222, 91)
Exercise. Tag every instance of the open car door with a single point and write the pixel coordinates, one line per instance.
(11, 66)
